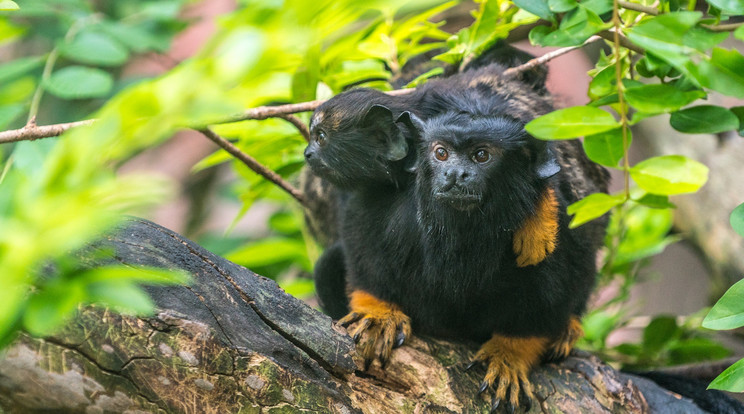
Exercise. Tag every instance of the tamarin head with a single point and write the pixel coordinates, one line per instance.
(354, 140)
(470, 162)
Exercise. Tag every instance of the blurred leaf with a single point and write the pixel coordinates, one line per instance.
(8, 113)
(571, 123)
(17, 91)
(669, 175)
(655, 201)
(687, 351)
(576, 26)
(270, 251)
(78, 82)
(739, 112)
(704, 119)
(420, 79)
(286, 223)
(8, 5)
(739, 33)
(734, 7)
(728, 312)
(299, 288)
(737, 220)
(539, 8)
(732, 379)
(703, 39)
(646, 234)
(660, 331)
(592, 206)
(662, 36)
(144, 275)
(95, 48)
(603, 83)
(19, 67)
(122, 296)
(606, 148)
(660, 98)
(562, 6)
(50, 307)
(598, 325)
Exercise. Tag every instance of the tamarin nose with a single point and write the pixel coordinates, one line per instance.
(309, 153)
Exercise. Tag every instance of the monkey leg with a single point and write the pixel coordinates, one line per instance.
(536, 239)
(559, 348)
(381, 327)
(508, 362)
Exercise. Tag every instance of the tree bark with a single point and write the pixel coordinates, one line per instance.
(235, 342)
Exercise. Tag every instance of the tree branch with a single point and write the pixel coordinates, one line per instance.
(531, 64)
(638, 7)
(298, 123)
(253, 164)
(32, 132)
(624, 41)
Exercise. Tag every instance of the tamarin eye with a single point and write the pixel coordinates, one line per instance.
(440, 153)
(321, 138)
(481, 156)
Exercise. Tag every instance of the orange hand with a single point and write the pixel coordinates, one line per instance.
(381, 326)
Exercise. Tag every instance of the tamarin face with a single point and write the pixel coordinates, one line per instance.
(355, 141)
(468, 161)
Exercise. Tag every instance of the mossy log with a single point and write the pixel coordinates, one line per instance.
(234, 342)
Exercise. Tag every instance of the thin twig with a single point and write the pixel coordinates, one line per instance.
(532, 63)
(730, 27)
(298, 123)
(624, 41)
(638, 7)
(33, 132)
(254, 165)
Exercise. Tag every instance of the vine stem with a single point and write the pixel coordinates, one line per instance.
(621, 99)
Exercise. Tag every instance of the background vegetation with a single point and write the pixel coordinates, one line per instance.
(66, 60)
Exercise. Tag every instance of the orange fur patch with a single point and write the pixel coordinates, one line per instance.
(561, 347)
(537, 237)
(509, 361)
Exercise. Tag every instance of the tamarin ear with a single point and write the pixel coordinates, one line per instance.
(546, 164)
(415, 128)
(380, 119)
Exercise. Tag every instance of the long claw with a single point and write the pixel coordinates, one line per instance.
(523, 396)
(400, 338)
(510, 408)
(495, 402)
(471, 365)
(483, 387)
(349, 319)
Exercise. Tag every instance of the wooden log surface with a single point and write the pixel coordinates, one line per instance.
(234, 342)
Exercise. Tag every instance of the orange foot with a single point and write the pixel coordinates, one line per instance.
(562, 346)
(508, 361)
(536, 239)
(382, 326)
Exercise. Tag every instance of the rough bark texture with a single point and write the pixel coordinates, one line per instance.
(234, 342)
(703, 217)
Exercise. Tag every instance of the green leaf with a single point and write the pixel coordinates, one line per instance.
(592, 206)
(606, 148)
(722, 72)
(598, 325)
(571, 123)
(95, 48)
(144, 275)
(739, 33)
(8, 5)
(122, 296)
(662, 36)
(78, 82)
(732, 379)
(645, 234)
(603, 83)
(704, 119)
(737, 219)
(539, 8)
(51, 307)
(655, 201)
(703, 39)
(659, 332)
(734, 7)
(9, 113)
(420, 79)
(270, 251)
(576, 26)
(686, 351)
(739, 112)
(669, 175)
(562, 6)
(660, 98)
(19, 67)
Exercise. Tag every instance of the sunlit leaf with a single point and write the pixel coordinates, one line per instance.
(606, 148)
(571, 123)
(19, 67)
(722, 72)
(50, 307)
(669, 175)
(95, 48)
(122, 296)
(735, 7)
(732, 379)
(660, 98)
(537, 7)
(737, 219)
(739, 112)
(592, 206)
(8, 5)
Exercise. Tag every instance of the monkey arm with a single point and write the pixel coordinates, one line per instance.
(381, 326)
(536, 239)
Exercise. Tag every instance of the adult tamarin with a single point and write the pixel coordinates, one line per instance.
(476, 244)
